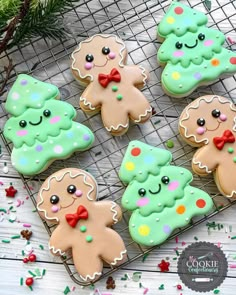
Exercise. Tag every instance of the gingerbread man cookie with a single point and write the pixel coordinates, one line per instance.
(41, 127)
(209, 124)
(158, 194)
(67, 198)
(191, 51)
(112, 86)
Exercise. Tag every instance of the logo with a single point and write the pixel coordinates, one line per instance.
(202, 266)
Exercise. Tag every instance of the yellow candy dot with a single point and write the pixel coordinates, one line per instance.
(175, 75)
(170, 20)
(180, 209)
(144, 230)
(129, 166)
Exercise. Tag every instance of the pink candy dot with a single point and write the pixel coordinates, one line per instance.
(142, 202)
(88, 65)
(55, 120)
(22, 132)
(200, 130)
(54, 209)
(173, 185)
(178, 53)
(223, 117)
(78, 193)
(112, 55)
(208, 42)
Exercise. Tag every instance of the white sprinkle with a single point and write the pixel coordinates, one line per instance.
(159, 204)
(65, 114)
(75, 144)
(37, 161)
(140, 172)
(187, 219)
(51, 141)
(9, 128)
(157, 219)
(192, 192)
(181, 172)
(133, 225)
(126, 201)
(151, 241)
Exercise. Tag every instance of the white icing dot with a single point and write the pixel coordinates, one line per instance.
(51, 141)
(227, 68)
(78, 126)
(205, 67)
(151, 241)
(157, 219)
(58, 149)
(66, 114)
(15, 95)
(126, 201)
(75, 144)
(140, 172)
(49, 89)
(14, 107)
(39, 105)
(159, 204)
(25, 150)
(133, 225)
(13, 164)
(37, 161)
(191, 192)
(37, 134)
(196, 57)
(9, 128)
(27, 91)
(180, 86)
(181, 172)
(187, 219)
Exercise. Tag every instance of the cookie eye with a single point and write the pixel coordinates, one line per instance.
(46, 113)
(215, 113)
(89, 58)
(22, 123)
(71, 189)
(54, 199)
(178, 45)
(165, 179)
(105, 50)
(142, 192)
(201, 122)
(201, 37)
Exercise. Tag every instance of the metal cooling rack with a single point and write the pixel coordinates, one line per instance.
(135, 22)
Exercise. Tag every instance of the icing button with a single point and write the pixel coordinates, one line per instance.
(83, 228)
(119, 97)
(230, 150)
(89, 239)
(114, 88)
(234, 159)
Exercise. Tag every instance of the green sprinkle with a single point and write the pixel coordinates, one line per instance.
(3, 210)
(31, 273)
(15, 237)
(196, 238)
(11, 208)
(234, 159)
(31, 289)
(157, 122)
(177, 252)
(23, 253)
(21, 281)
(34, 210)
(67, 290)
(124, 278)
(136, 276)
(11, 220)
(161, 287)
(38, 273)
(233, 238)
(92, 287)
(216, 291)
(220, 207)
(170, 144)
(140, 285)
(6, 241)
(145, 257)
(41, 247)
(44, 272)
(175, 258)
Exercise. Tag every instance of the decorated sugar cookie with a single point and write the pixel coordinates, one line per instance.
(158, 194)
(41, 128)
(112, 87)
(191, 53)
(209, 124)
(68, 198)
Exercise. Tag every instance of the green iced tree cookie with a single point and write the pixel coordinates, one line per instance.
(191, 52)
(160, 202)
(41, 127)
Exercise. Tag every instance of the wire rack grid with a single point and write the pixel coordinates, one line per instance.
(135, 22)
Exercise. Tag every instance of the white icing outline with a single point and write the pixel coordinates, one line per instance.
(118, 40)
(143, 115)
(114, 217)
(58, 179)
(84, 100)
(144, 74)
(119, 258)
(54, 250)
(116, 128)
(200, 165)
(196, 106)
(91, 277)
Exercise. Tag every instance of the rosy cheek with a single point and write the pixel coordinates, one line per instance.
(208, 42)
(173, 185)
(22, 132)
(88, 65)
(54, 209)
(200, 130)
(142, 202)
(112, 55)
(223, 117)
(78, 193)
(178, 53)
(55, 120)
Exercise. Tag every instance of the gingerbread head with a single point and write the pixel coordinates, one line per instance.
(209, 123)
(112, 86)
(68, 198)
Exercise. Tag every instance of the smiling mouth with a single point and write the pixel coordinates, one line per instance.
(186, 45)
(154, 193)
(68, 205)
(215, 128)
(34, 124)
(96, 66)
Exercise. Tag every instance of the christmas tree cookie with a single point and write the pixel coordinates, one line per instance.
(41, 128)
(191, 53)
(158, 194)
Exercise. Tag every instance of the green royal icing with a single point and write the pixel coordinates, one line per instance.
(44, 138)
(203, 63)
(169, 201)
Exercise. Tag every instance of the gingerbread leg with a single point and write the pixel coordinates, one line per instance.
(142, 110)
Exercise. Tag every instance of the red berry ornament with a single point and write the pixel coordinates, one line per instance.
(25, 260)
(32, 257)
(29, 281)
(179, 287)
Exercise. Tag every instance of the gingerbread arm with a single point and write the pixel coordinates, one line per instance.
(204, 162)
(138, 75)
(89, 99)
(110, 212)
(58, 243)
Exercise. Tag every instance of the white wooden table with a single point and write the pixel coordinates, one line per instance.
(136, 24)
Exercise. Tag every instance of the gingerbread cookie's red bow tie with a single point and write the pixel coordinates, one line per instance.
(81, 213)
(104, 79)
(227, 137)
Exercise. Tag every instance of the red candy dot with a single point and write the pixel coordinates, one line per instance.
(233, 60)
(29, 282)
(201, 203)
(179, 10)
(32, 258)
(135, 152)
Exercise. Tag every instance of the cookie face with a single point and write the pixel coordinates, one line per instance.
(191, 51)
(41, 127)
(160, 202)
(209, 123)
(68, 198)
(112, 86)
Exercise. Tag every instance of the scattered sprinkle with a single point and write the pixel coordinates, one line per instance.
(145, 257)
(157, 122)
(170, 144)
(196, 238)
(233, 238)
(27, 225)
(67, 290)
(216, 291)
(31, 273)
(41, 247)
(176, 239)
(125, 277)
(145, 291)
(98, 153)
(177, 252)
(23, 253)
(21, 281)
(6, 241)
(136, 276)
(231, 41)
(162, 287)
(15, 237)
(3, 210)
(44, 272)
(207, 4)
(232, 265)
